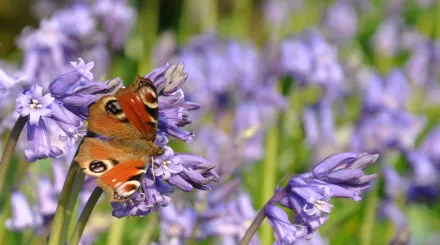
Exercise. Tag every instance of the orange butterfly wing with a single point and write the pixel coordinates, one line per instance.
(123, 180)
(139, 103)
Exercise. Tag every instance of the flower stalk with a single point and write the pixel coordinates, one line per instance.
(9, 150)
(60, 213)
(85, 215)
(253, 227)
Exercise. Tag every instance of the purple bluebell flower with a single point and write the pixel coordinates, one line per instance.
(341, 20)
(207, 61)
(22, 215)
(177, 223)
(47, 201)
(164, 49)
(389, 210)
(308, 195)
(117, 25)
(387, 130)
(313, 239)
(229, 219)
(386, 39)
(285, 232)
(309, 59)
(185, 171)
(423, 65)
(32, 103)
(391, 93)
(173, 108)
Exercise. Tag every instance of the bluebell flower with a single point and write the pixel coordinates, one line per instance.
(117, 25)
(309, 59)
(32, 103)
(386, 39)
(387, 130)
(308, 195)
(173, 108)
(285, 232)
(22, 215)
(341, 21)
(391, 93)
(177, 223)
(229, 219)
(424, 62)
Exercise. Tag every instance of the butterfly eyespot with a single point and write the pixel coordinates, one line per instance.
(98, 167)
(113, 107)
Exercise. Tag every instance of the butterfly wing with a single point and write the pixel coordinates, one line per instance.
(108, 120)
(96, 156)
(140, 106)
(122, 180)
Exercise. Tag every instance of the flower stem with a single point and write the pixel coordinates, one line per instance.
(152, 224)
(253, 227)
(60, 213)
(84, 217)
(79, 180)
(9, 150)
(269, 176)
(116, 232)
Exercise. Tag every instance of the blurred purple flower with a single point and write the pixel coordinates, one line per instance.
(424, 63)
(309, 59)
(387, 130)
(391, 93)
(22, 215)
(229, 219)
(177, 223)
(341, 21)
(387, 37)
(118, 24)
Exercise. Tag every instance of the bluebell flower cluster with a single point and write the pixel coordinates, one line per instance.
(308, 195)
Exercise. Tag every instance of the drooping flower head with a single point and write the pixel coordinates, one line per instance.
(308, 195)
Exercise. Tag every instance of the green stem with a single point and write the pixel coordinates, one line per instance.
(116, 232)
(253, 228)
(208, 15)
(147, 235)
(269, 177)
(192, 238)
(9, 150)
(148, 21)
(84, 217)
(368, 222)
(79, 180)
(60, 213)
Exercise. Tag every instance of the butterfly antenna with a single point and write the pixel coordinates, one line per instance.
(152, 169)
(177, 138)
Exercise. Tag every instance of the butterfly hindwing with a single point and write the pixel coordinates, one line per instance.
(122, 180)
(95, 156)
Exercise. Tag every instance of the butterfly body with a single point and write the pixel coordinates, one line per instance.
(120, 144)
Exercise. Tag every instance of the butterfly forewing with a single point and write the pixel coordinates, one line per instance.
(139, 103)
